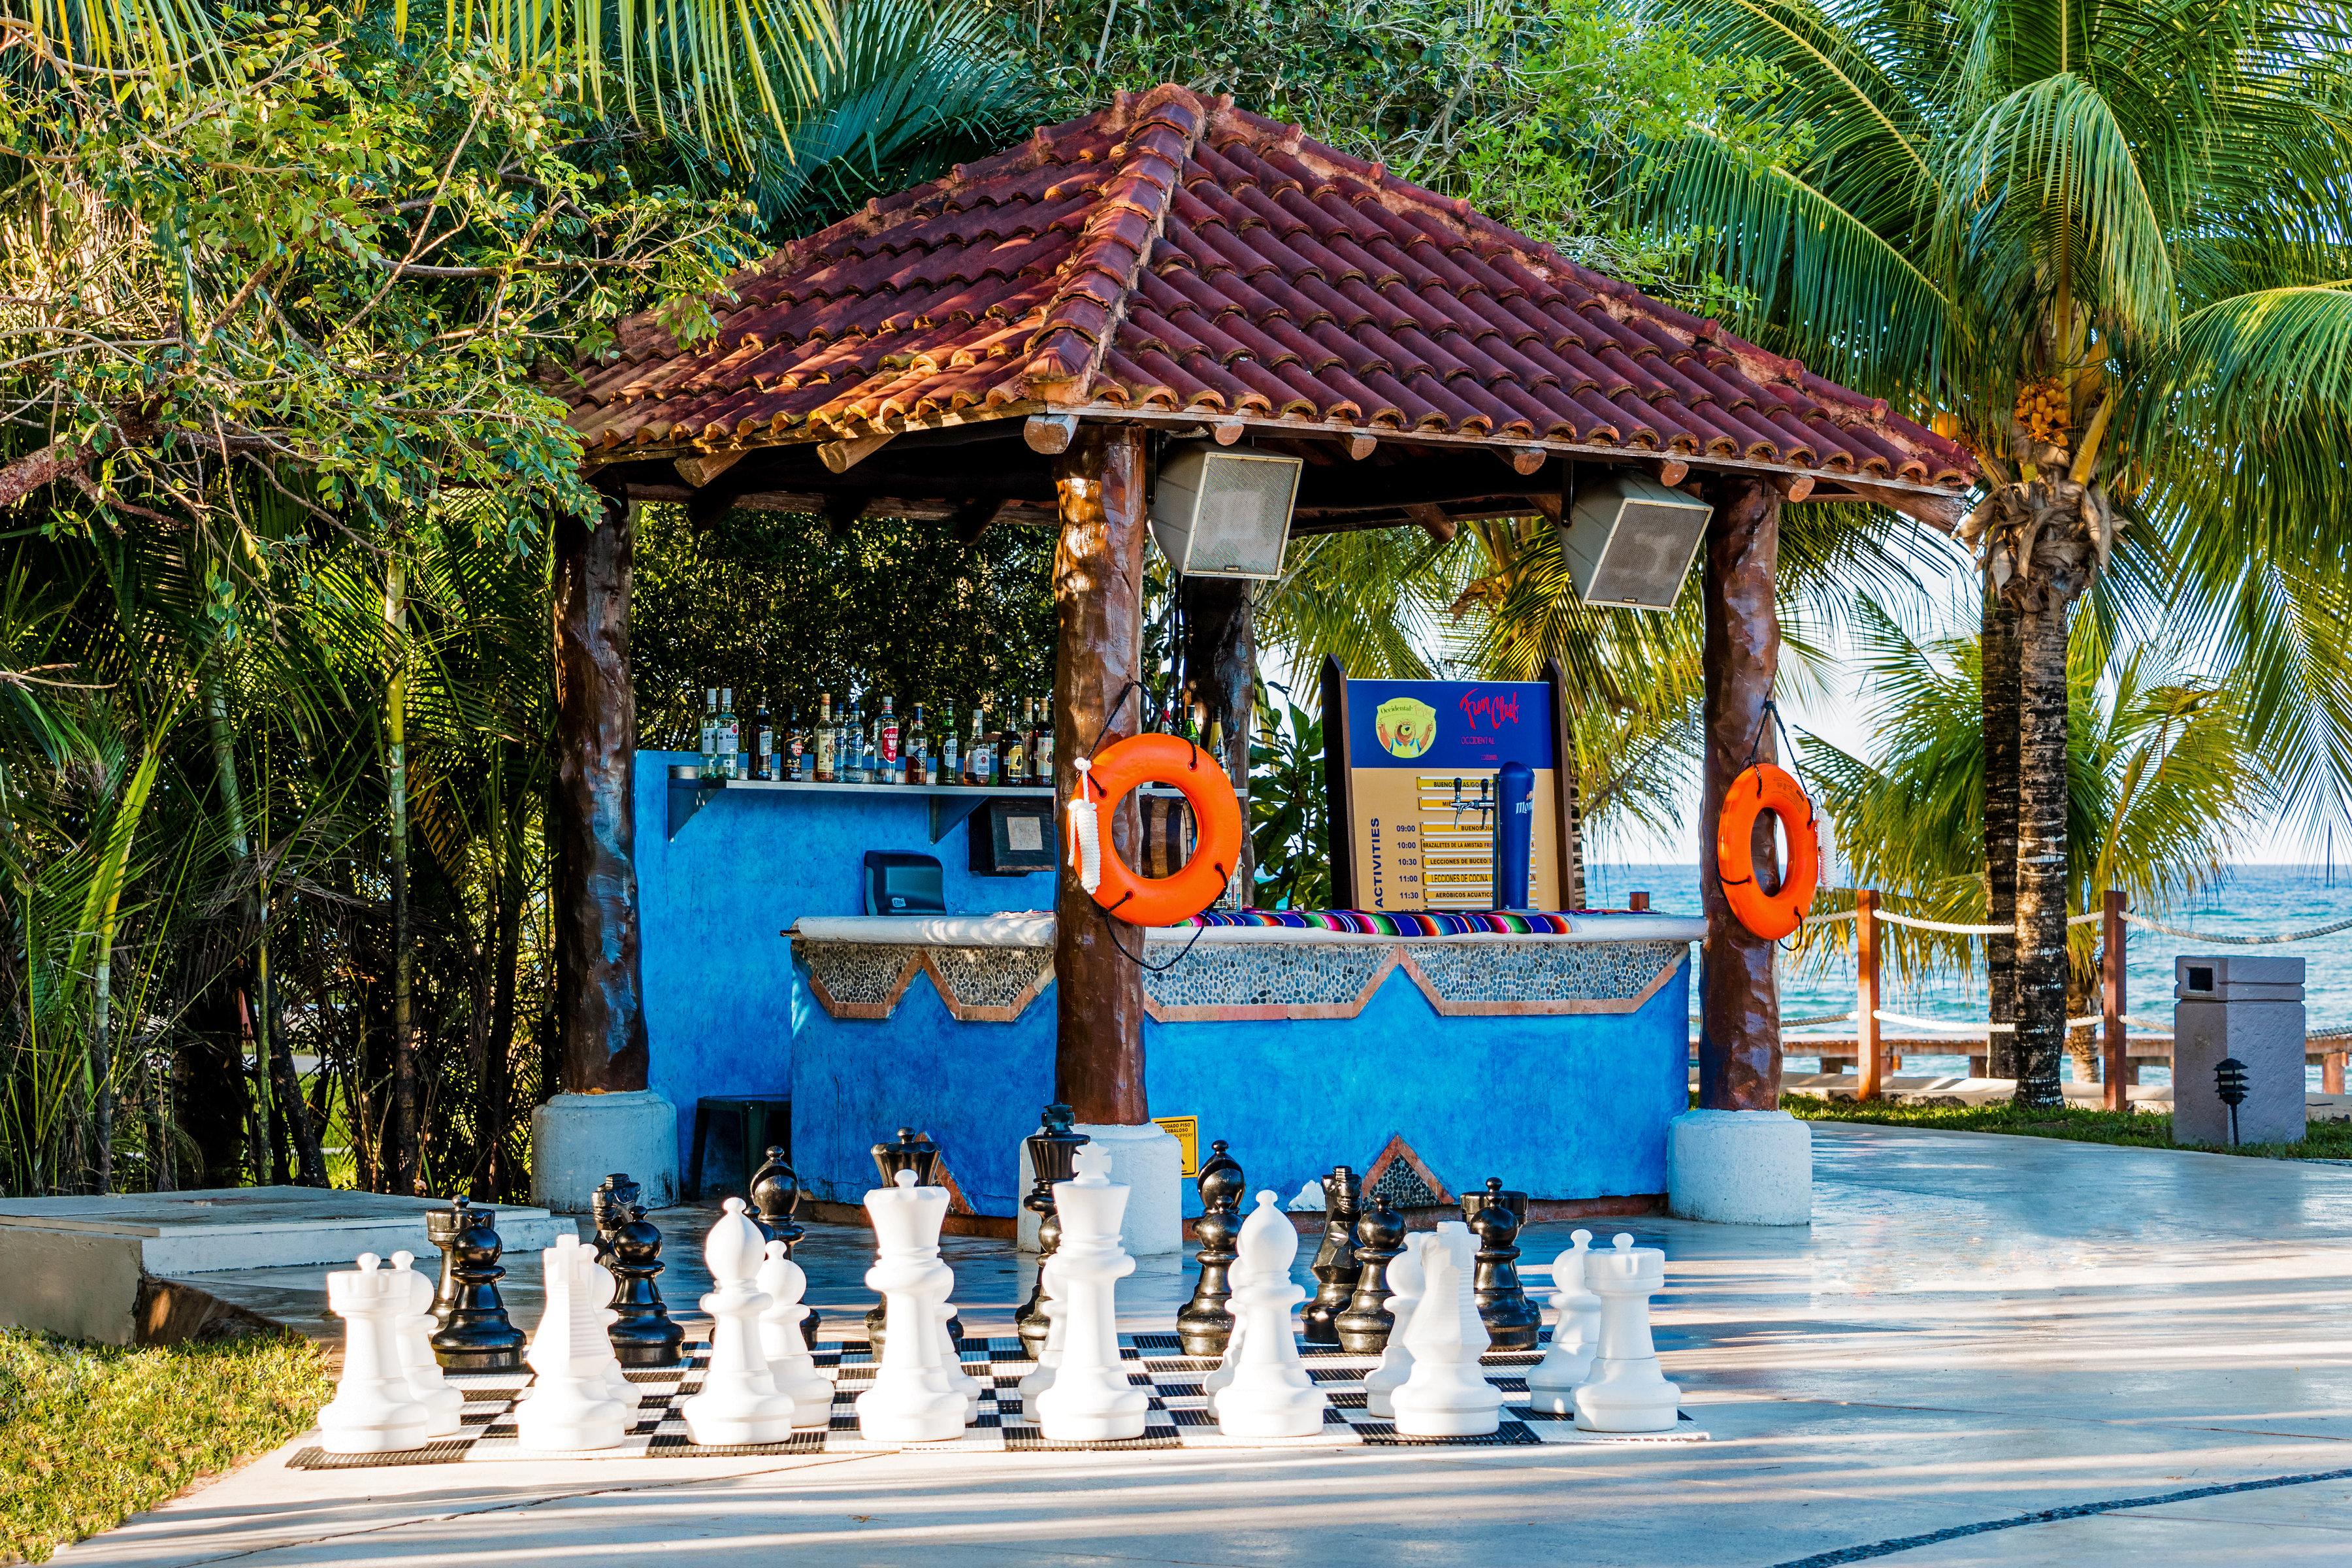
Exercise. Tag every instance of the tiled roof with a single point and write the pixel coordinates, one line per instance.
(1173, 254)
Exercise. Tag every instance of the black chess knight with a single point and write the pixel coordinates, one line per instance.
(476, 1335)
(1365, 1326)
(1513, 1322)
(1205, 1323)
(1335, 1269)
(629, 1245)
(776, 1194)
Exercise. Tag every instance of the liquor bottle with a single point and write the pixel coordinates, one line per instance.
(996, 750)
(871, 765)
(1041, 746)
(849, 756)
(763, 743)
(1015, 750)
(975, 756)
(801, 750)
(886, 727)
(918, 748)
(709, 749)
(730, 754)
(824, 766)
(951, 768)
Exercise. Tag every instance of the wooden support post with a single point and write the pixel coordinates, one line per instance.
(599, 996)
(2331, 1072)
(1221, 656)
(1740, 1035)
(1099, 612)
(1869, 1053)
(2111, 991)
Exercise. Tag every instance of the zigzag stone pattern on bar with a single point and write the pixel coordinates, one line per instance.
(989, 976)
(1543, 972)
(1238, 974)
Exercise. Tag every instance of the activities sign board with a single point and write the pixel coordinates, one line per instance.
(1410, 766)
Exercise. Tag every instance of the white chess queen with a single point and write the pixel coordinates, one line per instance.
(1567, 1362)
(374, 1411)
(1446, 1394)
(572, 1407)
(1270, 1395)
(1628, 1392)
(1090, 1399)
(739, 1401)
(913, 1399)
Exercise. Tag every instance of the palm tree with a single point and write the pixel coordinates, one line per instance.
(2103, 245)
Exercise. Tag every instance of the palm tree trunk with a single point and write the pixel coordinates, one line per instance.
(404, 1158)
(2040, 1008)
(496, 1081)
(1999, 658)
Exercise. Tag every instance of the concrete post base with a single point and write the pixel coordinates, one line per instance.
(1150, 1162)
(578, 1139)
(1740, 1167)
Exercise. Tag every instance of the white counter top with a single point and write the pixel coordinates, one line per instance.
(1035, 929)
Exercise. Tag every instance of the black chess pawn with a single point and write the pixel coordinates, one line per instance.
(1365, 1326)
(776, 1195)
(477, 1336)
(442, 1228)
(910, 1151)
(1513, 1322)
(630, 1247)
(1335, 1269)
(1205, 1322)
(1053, 1157)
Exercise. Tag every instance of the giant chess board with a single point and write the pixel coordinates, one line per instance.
(1179, 1417)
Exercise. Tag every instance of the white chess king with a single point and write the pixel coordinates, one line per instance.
(1446, 1394)
(1627, 1391)
(374, 1410)
(1270, 1395)
(739, 1402)
(1090, 1400)
(1552, 1381)
(912, 1399)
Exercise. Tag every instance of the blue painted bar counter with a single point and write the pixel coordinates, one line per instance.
(1554, 1062)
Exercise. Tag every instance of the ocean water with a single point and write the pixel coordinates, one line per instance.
(2249, 901)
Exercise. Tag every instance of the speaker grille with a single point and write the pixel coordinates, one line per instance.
(1647, 553)
(1244, 516)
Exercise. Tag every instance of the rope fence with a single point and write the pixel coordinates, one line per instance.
(2312, 936)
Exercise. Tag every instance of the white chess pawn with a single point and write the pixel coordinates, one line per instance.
(1221, 1377)
(1567, 1362)
(951, 1358)
(1627, 1392)
(1405, 1283)
(1090, 1399)
(413, 1331)
(739, 1402)
(570, 1405)
(794, 1370)
(374, 1410)
(1446, 1394)
(912, 1399)
(1049, 1355)
(1270, 1395)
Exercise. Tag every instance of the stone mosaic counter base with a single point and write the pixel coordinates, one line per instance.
(1178, 1417)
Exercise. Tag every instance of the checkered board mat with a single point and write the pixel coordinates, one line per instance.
(1178, 1417)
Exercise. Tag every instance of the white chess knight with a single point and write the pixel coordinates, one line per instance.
(412, 1330)
(1090, 1399)
(1270, 1395)
(1567, 1362)
(572, 1405)
(1626, 1392)
(913, 1399)
(795, 1373)
(739, 1402)
(1405, 1282)
(374, 1411)
(1446, 1394)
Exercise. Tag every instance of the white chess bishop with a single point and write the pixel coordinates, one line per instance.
(412, 1330)
(795, 1373)
(739, 1402)
(1567, 1362)
(913, 1398)
(374, 1410)
(1090, 1399)
(1405, 1282)
(1446, 1394)
(1270, 1395)
(1627, 1391)
(571, 1406)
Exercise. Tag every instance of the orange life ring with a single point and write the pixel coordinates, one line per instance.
(1217, 827)
(1759, 788)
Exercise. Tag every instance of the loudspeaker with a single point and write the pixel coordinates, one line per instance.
(1219, 513)
(1629, 541)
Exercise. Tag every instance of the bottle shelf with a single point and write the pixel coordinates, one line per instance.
(951, 804)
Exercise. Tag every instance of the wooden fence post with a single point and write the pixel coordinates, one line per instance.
(2111, 968)
(1868, 1061)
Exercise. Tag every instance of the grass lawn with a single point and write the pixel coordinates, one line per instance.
(2324, 1140)
(91, 1434)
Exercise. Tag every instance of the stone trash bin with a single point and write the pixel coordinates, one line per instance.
(2231, 1005)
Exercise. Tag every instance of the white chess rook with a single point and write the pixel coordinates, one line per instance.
(1090, 1399)
(1270, 1395)
(413, 1331)
(1627, 1391)
(570, 1405)
(739, 1401)
(1405, 1281)
(1552, 1381)
(374, 1410)
(794, 1370)
(1446, 1394)
(912, 1399)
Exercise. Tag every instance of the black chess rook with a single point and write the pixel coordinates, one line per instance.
(1052, 1156)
